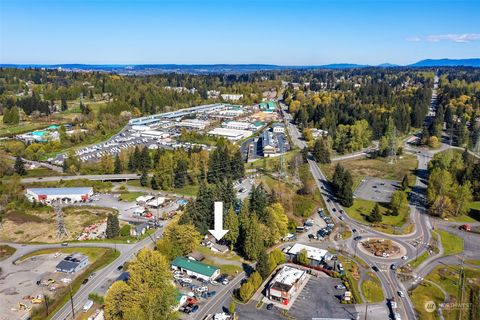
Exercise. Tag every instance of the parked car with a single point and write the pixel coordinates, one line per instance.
(340, 287)
(225, 281)
(215, 283)
(194, 309)
(270, 306)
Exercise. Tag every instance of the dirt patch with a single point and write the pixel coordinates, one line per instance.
(40, 226)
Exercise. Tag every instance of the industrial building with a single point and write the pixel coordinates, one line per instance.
(239, 125)
(286, 284)
(278, 128)
(67, 195)
(230, 134)
(72, 263)
(155, 134)
(194, 124)
(195, 268)
(315, 255)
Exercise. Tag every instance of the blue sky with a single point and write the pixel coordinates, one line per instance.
(285, 32)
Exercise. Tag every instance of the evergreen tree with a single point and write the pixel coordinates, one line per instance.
(342, 186)
(305, 154)
(153, 183)
(118, 165)
(180, 173)
(405, 182)
(320, 152)
(144, 178)
(113, 227)
(253, 245)
(200, 212)
(263, 266)
(237, 165)
(231, 223)
(258, 201)
(64, 104)
(20, 166)
(145, 160)
(375, 215)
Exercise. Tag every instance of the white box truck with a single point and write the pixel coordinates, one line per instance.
(87, 305)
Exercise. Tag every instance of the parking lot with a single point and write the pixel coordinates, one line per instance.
(318, 299)
(375, 189)
(18, 283)
(197, 291)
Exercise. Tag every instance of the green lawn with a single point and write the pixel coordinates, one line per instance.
(379, 168)
(415, 263)
(130, 196)
(6, 251)
(42, 172)
(422, 294)
(188, 190)
(92, 253)
(372, 291)
(472, 216)
(473, 262)
(390, 224)
(452, 244)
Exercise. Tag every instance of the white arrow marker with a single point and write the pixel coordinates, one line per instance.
(218, 232)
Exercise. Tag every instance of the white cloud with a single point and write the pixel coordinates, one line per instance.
(466, 37)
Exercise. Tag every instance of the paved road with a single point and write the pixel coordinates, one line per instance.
(95, 177)
(102, 277)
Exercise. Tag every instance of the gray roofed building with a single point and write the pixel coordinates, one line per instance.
(72, 263)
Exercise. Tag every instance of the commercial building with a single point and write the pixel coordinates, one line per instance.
(269, 145)
(67, 195)
(278, 128)
(155, 134)
(286, 284)
(72, 263)
(144, 199)
(231, 97)
(315, 255)
(195, 268)
(193, 124)
(238, 125)
(230, 134)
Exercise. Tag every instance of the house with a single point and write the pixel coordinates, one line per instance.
(196, 268)
(195, 255)
(278, 128)
(315, 255)
(72, 263)
(286, 284)
(210, 242)
(66, 195)
(139, 230)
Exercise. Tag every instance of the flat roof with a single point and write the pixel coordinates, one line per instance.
(288, 276)
(194, 266)
(230, 132)
(61, 191)
(312, 252)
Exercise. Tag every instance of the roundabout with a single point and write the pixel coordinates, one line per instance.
(382, 248)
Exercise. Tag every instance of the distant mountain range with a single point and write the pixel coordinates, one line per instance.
(235, 68)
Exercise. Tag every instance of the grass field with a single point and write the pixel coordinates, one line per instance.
(372, 291)
(415, 263)
(379, 168)
(6, 251)
(42, 172)
(452, 244)
(472, 216)
(390, 224)
(421, 295)
(188, 191)
(130, 196)
(448, 278)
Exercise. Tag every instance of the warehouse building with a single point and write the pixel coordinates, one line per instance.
(195, 268)
(286, 283)
(315, 255)
(239, 125)
(72, 263)
(66, 195)
(231, 97)
(230, 134)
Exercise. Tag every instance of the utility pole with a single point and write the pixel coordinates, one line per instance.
(71, 300)
(61, 229)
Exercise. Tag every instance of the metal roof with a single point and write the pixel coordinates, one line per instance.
(60, 191)
(194, 266)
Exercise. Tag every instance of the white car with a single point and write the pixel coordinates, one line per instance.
(401, 294)
(404, 257)
(225, 281)
(186, 280)
(178, 277)
(215, 283)
(202, 289)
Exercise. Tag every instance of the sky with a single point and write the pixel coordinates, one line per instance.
(283, 32)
